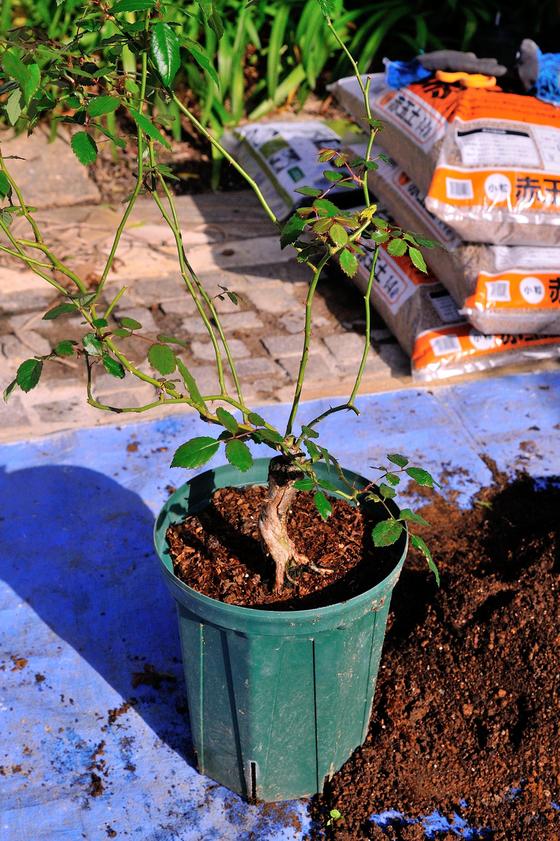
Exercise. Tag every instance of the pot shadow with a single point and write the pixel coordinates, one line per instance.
(77, 547)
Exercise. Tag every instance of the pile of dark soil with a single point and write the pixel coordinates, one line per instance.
(218, 552)
(466, 715)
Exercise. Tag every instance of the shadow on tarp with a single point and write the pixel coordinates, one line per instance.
(78, 550)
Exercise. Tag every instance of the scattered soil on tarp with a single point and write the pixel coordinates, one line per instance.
(466, 712)
(218, 552)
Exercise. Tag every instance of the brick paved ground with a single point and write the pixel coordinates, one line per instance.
(230, 243)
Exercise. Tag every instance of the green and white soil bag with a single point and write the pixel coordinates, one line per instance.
(423, 317)
(499, 288)
(488, 162)
(282, 156)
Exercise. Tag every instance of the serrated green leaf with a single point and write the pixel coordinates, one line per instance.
(291, 230)
(113, 367)
(305, 484)
(322, 505)
(102, 105)
(256, 419)
(84, 147)
(60, 309)
(422, 546)
(191, 385)
(417, 259)
(313, 450)
(309, 431)
(5, 186)
(348, 262)
(398, 459)
(268, 435)
(146, 125)
(411, 516)
(227, 420)
(196, 452)
(386, 532)
(162, 359)
(129, 323)
(165, 51)
(29, 374)
(338, 234)
(325, 207)
(201, 57)
(392, 478)
(421, 476)
(64, 348)
(92, 344)
(239, 455)
(397, 247)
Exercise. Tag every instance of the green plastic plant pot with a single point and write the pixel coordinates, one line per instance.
(278, 700)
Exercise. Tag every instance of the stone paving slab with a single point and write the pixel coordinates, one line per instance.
(231, 244)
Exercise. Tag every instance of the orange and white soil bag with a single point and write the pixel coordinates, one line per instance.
(488, 162)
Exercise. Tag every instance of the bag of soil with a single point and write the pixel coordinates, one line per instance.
(488, 162)
(424, 319)
(282, 156)
(499, 288)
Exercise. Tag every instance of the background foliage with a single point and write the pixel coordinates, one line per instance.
(276, 52)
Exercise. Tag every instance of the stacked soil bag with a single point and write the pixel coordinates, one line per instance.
(479, 171)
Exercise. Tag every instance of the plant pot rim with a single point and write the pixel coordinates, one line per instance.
(167, 517)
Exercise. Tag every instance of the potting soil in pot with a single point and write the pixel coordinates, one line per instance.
(466, 713)
(218, 552)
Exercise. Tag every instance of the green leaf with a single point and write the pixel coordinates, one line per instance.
(102, 105)
(60, 309)
(397, 247)
(162, 358)
(398, 459)
(324, 207)
(201, 58)
(28, 76)
(239, 454)
(171, 340)
(129, 323)
(291, 230)
(411, 516)
(417, 258)
(422, 546)
(84, 147)
(29, 374)
(386, 491)
(165, 51)
(332, 176)
(256, 419)
(305, 484)
(191, 385)
(132, 6)
(113, 367)
(195, 452)
(338, 234)
(100, 322)
(392, 478)
(322, 505)
(421, 476)
(92, 344)
(64, 348)
(348, 262)
(5, 186)
(8, 390)
(313, 450)
(121, 333)
(271, 436)
(211, 16)
(309, 431)
(386, 532)
(308, 191)
(147, 127)
(227, 420)
(13, 107)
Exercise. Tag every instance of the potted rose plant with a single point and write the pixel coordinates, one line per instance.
(280, 679)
